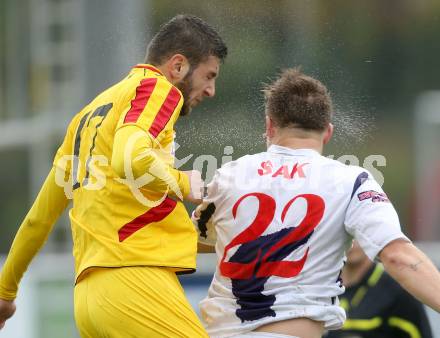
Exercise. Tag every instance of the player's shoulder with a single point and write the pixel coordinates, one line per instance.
(159, 81)
(345, 176)
(348, 171)
(164, 88)
(162, 80)
(76, 119)
(149, 82)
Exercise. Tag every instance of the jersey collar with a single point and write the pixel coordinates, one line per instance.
(149, 67)
(276, 149)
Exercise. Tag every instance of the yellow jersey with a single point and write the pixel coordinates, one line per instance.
(116, 163)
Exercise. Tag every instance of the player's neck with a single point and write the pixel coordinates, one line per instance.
(163, 69)
(296, 138)
(353, 273)
(298, 143)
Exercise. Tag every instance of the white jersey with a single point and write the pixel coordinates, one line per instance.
(281, 222)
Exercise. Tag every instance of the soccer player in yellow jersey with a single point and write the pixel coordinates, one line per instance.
(131, 232)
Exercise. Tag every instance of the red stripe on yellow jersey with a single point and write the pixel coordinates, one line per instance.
(165, 112)
(143, 93)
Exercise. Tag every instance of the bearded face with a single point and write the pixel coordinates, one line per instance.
(186, 87)
(199, 83)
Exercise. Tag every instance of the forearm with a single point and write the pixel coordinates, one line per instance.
(205, 248)
(133, 155)
(32, 234)
(414, 271)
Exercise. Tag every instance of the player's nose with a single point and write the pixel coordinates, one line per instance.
(210, 91)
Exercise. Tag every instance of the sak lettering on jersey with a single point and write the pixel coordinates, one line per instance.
(284, 170)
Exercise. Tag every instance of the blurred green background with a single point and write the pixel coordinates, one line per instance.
(376, 58)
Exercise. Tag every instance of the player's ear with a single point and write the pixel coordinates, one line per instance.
(328, 133)
(178, 67)
(269, 127)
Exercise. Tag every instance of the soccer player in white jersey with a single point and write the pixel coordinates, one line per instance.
(282, 220)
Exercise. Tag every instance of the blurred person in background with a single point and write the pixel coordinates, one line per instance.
(280, 222)
(376, 305)
(131, 231)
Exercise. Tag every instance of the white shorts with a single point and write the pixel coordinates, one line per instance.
(260, 334)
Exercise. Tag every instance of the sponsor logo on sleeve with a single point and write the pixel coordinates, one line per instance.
(373, 195)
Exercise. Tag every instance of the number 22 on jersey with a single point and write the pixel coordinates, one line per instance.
(266, 263)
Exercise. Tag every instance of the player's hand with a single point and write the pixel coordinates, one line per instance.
(196, 183)
(198, 211)
(7, 309)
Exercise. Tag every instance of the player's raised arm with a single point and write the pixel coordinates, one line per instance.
(137, 150)
(413, 270)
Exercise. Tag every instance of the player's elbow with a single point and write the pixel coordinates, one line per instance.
(131, 157)
(396, 253)
(117, 165)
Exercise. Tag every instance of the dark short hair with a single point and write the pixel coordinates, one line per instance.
(297, 100)
(187, 35)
